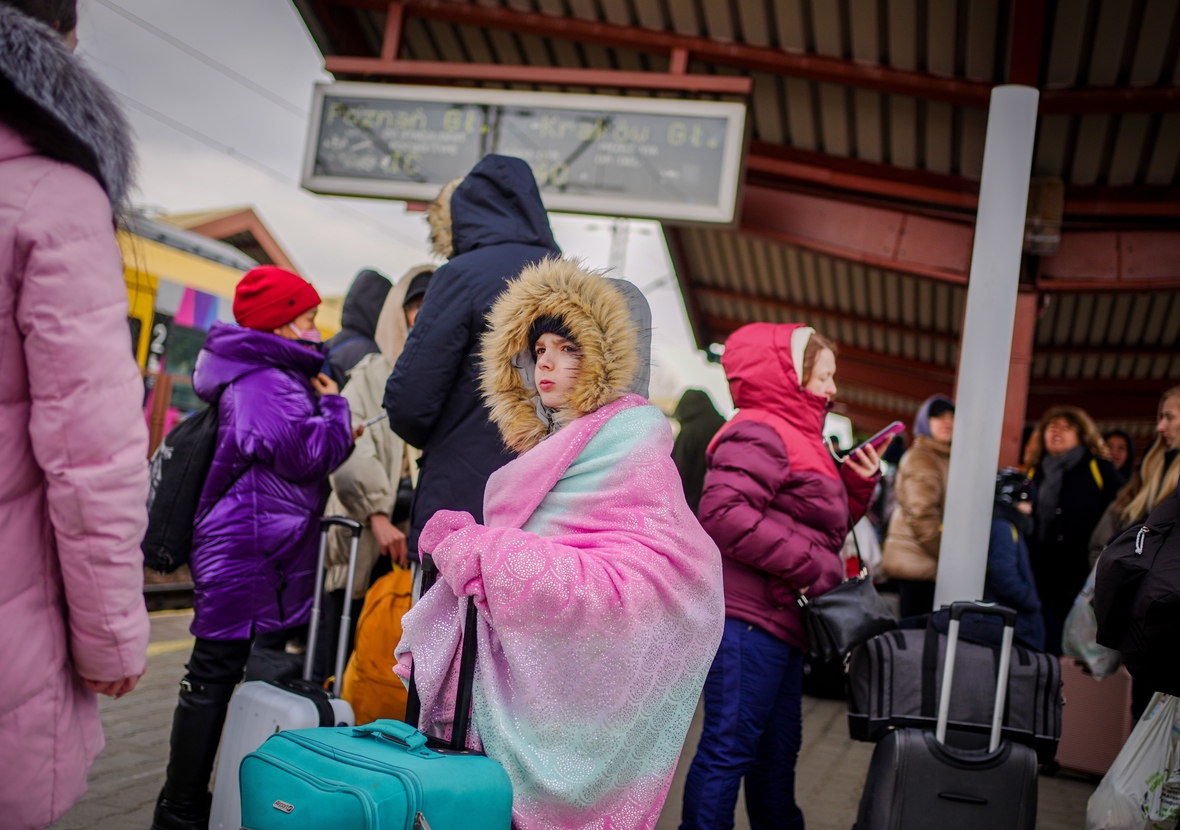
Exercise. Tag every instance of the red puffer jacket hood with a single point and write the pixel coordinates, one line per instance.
(764, 364)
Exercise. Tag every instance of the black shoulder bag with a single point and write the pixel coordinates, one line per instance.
(846, 616)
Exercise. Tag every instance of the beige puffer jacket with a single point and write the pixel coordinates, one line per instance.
(915, 529)
(367, 482)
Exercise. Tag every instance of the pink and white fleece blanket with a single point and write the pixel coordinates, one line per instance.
(600, 609)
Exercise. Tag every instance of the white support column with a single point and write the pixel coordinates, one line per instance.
(987, 343)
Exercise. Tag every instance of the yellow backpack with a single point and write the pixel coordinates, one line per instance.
(370, 685)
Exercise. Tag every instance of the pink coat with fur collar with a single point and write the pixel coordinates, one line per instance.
(72, 449)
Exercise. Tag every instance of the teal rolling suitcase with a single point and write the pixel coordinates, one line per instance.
(381, 776)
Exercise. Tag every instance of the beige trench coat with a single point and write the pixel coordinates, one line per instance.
(367, 482)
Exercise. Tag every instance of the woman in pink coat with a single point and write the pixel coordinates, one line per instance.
(73, 444)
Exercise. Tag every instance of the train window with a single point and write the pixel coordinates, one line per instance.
(183, 346)
(183, 396)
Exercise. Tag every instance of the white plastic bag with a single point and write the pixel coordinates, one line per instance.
(1080, 636)
(1141, 791)
(866, 540)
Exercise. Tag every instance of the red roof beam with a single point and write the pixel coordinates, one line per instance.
(1102, 351)
(828, 313)
(391, 43)
(561, 76)
(897, 239)
(1094, 260)
(1083, 351)
(738, 55)
(891, 239)
(776, 162)
(1106, 100)
(779, 62)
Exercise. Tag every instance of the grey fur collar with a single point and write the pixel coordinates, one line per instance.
(34, 60)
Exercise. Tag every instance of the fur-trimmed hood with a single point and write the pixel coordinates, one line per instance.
(601, 320)
(496, 203)
(60, 108)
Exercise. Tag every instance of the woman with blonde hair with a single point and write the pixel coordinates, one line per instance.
(366, 486)
(1068, 462)
(599, 596)
(1154, 481)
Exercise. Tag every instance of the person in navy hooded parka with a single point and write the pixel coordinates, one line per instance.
(489, 225)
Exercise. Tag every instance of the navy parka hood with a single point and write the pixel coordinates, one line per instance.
(491, 225)
(498, 202)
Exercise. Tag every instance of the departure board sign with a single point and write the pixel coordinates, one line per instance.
(643, 157)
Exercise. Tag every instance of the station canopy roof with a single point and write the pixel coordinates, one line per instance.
(867, 128)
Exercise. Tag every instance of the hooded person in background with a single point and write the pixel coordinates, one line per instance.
(699, 422)
(358, 324)
(365, 487)
(1009, 579)
(910, 553)
(489, 226)
(73, 443)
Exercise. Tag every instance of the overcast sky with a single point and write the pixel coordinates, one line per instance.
(218, 91)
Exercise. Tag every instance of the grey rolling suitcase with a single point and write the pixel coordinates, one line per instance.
(258, 709)
(917, 781)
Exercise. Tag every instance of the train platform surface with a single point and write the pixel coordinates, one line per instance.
(127, 777)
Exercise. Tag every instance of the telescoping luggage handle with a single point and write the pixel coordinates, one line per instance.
(462, 722)
(948, 670)
(313, 626)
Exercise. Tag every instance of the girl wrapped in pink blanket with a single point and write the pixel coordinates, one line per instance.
(599, 595)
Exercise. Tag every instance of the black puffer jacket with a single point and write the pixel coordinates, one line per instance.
(1137, 597)
(498, 226)
(358, 324)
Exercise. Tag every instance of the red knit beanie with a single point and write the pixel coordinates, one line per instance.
(269, 297)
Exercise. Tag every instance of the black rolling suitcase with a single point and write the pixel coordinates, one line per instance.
(917, 781)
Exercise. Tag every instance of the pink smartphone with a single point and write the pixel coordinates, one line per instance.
(882, 438)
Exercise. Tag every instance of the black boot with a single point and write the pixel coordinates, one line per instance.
(196, 730)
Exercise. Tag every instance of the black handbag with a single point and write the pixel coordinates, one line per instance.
(846, 616)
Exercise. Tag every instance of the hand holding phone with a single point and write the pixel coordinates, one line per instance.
(864, 461)
(865, 458)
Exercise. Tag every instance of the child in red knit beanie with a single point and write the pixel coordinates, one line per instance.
(283, 428)
(273, 299)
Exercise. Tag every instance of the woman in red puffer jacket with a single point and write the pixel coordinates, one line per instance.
(779, 508)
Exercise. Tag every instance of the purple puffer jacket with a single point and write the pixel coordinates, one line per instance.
(254, 548)
(774, 500)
